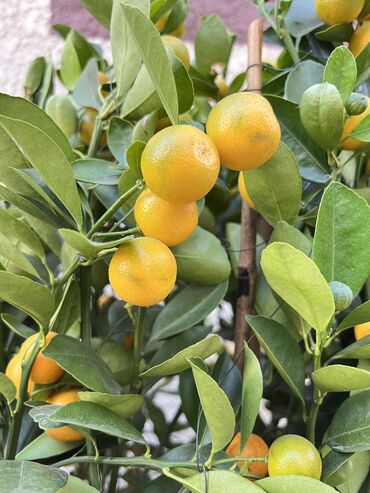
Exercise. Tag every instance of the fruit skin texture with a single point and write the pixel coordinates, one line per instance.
(255, 447)
(178, 47)
(338, 11)
(170, 223)
(244, 192)
(44, 370)
(143, 271)
(245, 130)
(360, 38)
(14, 372)
(351, 123)
(342, 295)
(64, 433)
(180, 164)
(61, 109)
(294, 455)
(362, 330)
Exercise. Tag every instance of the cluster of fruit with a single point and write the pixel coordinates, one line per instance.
(180, 165)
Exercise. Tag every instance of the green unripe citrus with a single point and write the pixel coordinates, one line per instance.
(356, 104)
(61, 109)
(342, 295)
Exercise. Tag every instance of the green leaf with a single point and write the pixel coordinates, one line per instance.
(359, 468)
(55, 171)
(100, 9)
(86, 92)
(180, 362)
(34, 76)
(358, 350)
(275, 188)
(17, 327)
(282, 350)
(13, 258)
(187, 308)
(30, 297)
(125, 405)
(44, 447)
(70, 68)
(7, 388)
(303, 76)
(362, 131)
(75, 357)
(213, 44)
(285, 233)
(332, 463)
(341, 71)
(363, 65)
(350, 429)
(338, 32)
(216, 407)
(310, 294)
(251, 395)
(30, 477)
(77, 485)
(341, 378)
(219, 482)
(202, 259)
(298, 484)
(96, 171)
(153, 53)
(119, 137)
(342, 230)
(322, 115)
(94, 417)
(359, 315)
(302, 18)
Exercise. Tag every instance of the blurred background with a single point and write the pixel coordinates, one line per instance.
(26, 32)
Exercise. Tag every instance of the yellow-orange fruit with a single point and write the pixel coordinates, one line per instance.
(362, 330)
(255, 447)
(179, 48)
(64, 433)
(360, 38)
(338, 11)
(14, 373)
(349, 143)
(244, 192)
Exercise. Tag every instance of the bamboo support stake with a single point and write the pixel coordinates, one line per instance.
(247, 271)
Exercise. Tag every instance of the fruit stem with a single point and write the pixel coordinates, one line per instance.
(86, 333)
(317, 399)
(118, 233)
(138, 345)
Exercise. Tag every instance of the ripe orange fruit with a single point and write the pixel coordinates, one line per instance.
(64, 433)
(244, 129)
(349, 143)
(170, 223)
(179, 48)
(44, 370)
(360, 38)
(294, 455)
(180, 164)
(86, 128)
(362, 330)
(255, 447)
(14, 372)
(244, 192)
(143, 271)
(338, 11)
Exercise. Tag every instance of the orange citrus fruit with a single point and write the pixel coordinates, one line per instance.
(87, 123)
(64, 433)
(44, 370)
(244, 192)
(294, 455)
(143, 271)
(14, 373)
(338, 11)
(178, 47)
(349, 143)
(244, 129)
(180, 164)
(362, 330)
(255, 447)
(170, 223)
(360, 38)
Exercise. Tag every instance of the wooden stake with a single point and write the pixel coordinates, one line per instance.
(247, 271)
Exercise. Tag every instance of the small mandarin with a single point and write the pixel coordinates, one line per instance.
(86, 127)
(244, 192)
(179, 48)
(350, 143)
(360, 38)
(64, 433)
(14, 373)
(255, 447)
(362, 330)
(338, 11)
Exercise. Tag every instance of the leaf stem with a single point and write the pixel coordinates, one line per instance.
(114, 234)
(85, 280)
(138, 345)
(317, 399)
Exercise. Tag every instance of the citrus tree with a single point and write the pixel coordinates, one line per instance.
(128, 264)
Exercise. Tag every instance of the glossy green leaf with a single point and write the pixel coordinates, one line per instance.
(362, 131)
(13, 258)
(119, 138)
(70, 69)
(302, 18)
(202, 259)
(17, 327)
(310, 294)
(282, 350)
(77, 485)
(186, 309)
(86, 92)
(34, 76)
(216, 408)
(285, 233)
(179, 362)
(358, 350)
(96, 171)
(322, 115)
(341, 378)
(30, 297)
(100, 9)
(363, 65)
(275, 187)
(75, 357)
(359, 315)
(332, 463)
(125, 405)
(342, 229)
(338, 32)
(251, 395)
(341, 71)
(296, 484)
(350, 429)
(303, 76)
(95, 417)
(358, 473)
(44, 447)
(30, 477)
(219, 482)
(7, 388)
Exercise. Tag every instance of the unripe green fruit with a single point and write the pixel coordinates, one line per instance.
(356, 104)
(342, 295)
(61, 109)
